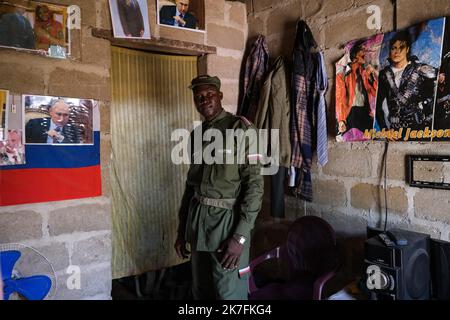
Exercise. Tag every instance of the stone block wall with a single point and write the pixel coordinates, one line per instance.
(75, 232)
(348, 191)
(78, 232)
(227, 32)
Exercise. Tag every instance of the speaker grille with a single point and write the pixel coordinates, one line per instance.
(417, 274)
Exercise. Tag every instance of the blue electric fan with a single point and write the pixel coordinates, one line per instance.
(18, 264)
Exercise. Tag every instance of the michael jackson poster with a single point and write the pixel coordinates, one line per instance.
(442, 105)
(406, 87)
(356, 88)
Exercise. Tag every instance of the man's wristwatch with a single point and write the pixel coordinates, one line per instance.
(240, 239)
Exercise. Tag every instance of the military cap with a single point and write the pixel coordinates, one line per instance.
(205, 80)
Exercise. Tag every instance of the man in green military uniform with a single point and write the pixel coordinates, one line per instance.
(220, 204)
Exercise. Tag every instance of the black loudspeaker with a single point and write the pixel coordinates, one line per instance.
(440, 269)
(397, 272)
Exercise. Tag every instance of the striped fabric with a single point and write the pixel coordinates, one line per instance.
(322, 85)
(298, 119)
(303, 97)
(256, 67)
(301, 137)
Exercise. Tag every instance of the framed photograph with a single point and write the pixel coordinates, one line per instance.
(38, 27)
(130, 19)
(184, 14)
(4, 96)
(12, 149)
(58, 121)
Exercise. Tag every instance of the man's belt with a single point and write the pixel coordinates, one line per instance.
(218, 203)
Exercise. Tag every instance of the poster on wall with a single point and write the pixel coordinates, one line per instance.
(410, 60)
(402, 82)
(12, 149)
(442, 105)
(58, 121)
(60, 164)
(356, 88)
(37, 26)
(182, 14)
(130, 19)
(4, 96)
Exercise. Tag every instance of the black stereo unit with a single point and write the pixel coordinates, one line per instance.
(398, 265)
(440, 269)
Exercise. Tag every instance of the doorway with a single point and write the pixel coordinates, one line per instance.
(150, 99)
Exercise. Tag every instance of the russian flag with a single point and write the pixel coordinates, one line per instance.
(54, 173)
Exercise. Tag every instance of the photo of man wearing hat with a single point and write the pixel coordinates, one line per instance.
(219, 205)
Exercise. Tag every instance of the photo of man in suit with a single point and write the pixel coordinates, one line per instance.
(15, 28)
(54, 130)
(131, 18)
(178, 15)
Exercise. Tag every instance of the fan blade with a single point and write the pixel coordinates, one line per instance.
(34, 288)
(7, 261)
(8, 288)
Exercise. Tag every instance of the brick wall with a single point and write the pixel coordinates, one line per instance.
(227, 32)
(348, 190)
(78, 232)
(75, 232)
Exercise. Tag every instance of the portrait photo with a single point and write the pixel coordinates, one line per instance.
(130, 19)
(185, 14)
(57, 120)
(4, 95)
(38, 26)
(442, 104)
(12, 149)
(409, 65)
(356, 89)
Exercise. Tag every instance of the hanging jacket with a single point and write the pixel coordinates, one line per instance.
(256, 67)
(303, 95)
(274, 109)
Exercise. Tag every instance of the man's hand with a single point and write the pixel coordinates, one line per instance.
(180, 248)
(180, 21)
(55, 135)
(141, 33)
(232, 251)
(52, 133)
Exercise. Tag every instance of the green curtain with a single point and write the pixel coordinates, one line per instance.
(150, 99)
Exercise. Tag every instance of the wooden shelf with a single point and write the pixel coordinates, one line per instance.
(158, 45)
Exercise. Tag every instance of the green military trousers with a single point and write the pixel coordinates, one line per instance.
(212, 282)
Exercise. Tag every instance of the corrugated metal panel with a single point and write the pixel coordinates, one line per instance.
(150, 99)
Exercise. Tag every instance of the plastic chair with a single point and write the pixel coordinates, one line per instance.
(310, 253)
